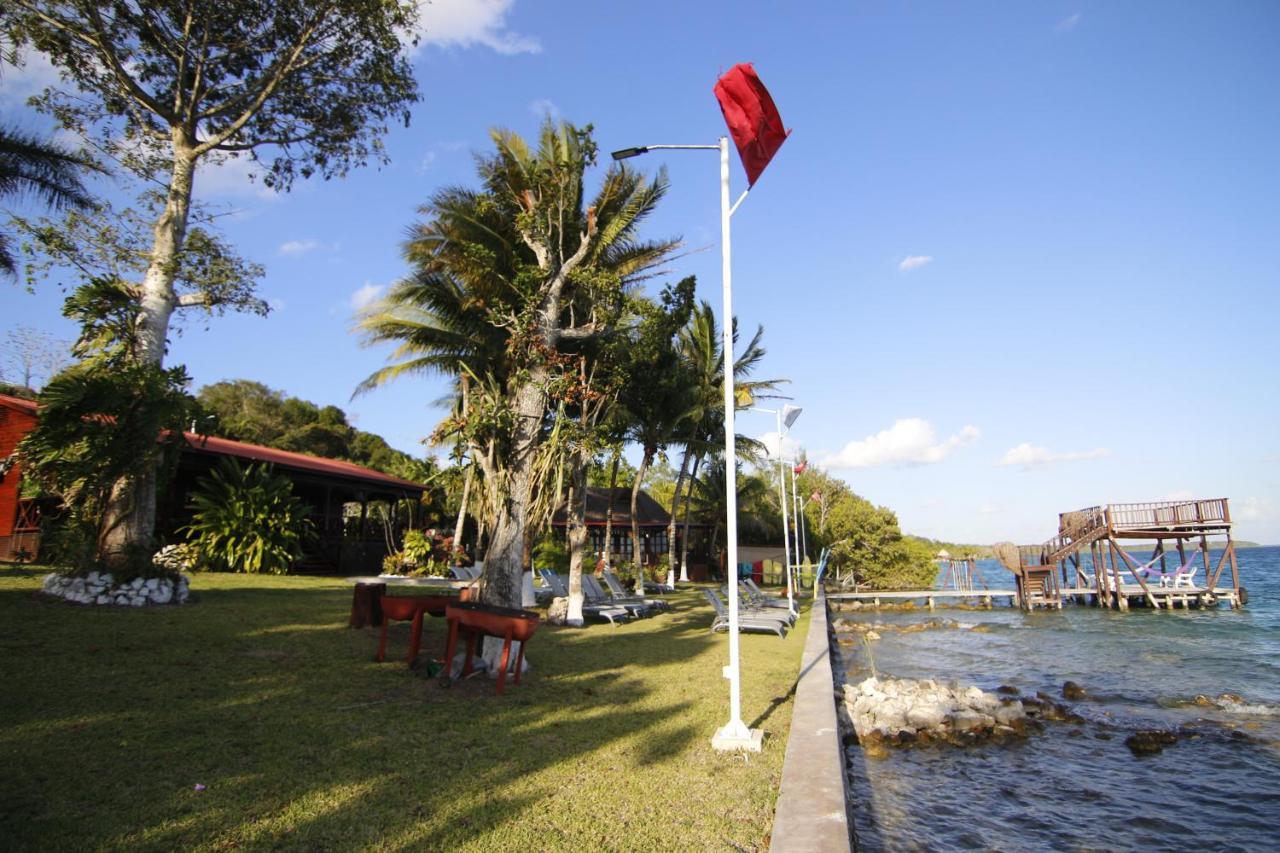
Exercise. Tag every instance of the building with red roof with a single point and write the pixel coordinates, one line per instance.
(358, 512)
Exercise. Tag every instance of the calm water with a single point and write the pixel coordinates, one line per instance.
(1071, 787)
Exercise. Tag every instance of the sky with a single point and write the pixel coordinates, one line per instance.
(1015, 258)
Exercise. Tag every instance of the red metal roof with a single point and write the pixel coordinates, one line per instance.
(28, 406)
(257, 453)
(297, 461)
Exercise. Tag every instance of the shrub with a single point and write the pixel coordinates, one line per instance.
(550, 553)
(247, 520)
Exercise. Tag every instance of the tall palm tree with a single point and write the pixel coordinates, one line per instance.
(45, 171)
(708, 495)
(702, 353)
(529, 271)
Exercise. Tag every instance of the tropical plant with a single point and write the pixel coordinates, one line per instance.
(527, 263)
(247, 520)
(46, 171)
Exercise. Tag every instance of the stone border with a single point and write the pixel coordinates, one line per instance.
(812, 812)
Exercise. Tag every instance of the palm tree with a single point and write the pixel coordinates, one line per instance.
(50, 173)
(702, 353)
(510, 279)
(708, 495)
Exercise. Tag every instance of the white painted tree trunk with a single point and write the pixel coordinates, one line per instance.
(671, 526)
(576, 510)
(130, 518)
(637, 551)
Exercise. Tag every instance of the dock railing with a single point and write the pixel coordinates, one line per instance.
(1163, 514)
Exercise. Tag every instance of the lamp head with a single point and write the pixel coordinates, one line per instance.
(789, 414)
(626, 153)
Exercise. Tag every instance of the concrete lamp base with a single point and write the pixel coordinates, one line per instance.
(734, 738)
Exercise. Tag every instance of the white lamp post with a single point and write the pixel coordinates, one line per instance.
(734, 734)
(786, 416)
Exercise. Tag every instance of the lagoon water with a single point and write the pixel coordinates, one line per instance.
(1078, 787)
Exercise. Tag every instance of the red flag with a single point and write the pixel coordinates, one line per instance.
(753, 120)
(800, 469)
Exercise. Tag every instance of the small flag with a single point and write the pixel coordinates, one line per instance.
(800, 469)
(754, 122)
(816, 497)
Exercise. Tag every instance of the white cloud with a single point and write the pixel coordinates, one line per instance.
(1067, 24)
(464, 23)
(232, 176)
(910, 441)
(544, 107)
(366, 294)
(1255, 509)
(914, 262)
(300, 247)
(1029, 456)
(790, 447)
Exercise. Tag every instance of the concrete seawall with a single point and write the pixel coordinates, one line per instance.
(812, 814)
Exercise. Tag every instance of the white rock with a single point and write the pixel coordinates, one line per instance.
(1006, 714)
(152, 583)
(926, 716)
(102, 599)
(138, 602)
(107, 579)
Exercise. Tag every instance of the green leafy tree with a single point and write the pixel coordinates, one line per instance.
(864, 539)
(303, 86)
(247, 520)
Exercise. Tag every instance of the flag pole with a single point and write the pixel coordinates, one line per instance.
(734, 735)
(782, 493)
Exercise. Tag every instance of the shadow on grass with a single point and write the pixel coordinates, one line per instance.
(113, 716)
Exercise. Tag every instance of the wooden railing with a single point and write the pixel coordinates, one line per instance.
(1144, 516)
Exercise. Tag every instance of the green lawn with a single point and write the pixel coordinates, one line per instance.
(110, 717)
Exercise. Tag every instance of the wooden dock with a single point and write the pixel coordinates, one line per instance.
(1049, 573)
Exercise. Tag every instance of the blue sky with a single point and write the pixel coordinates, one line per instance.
(1016, 258)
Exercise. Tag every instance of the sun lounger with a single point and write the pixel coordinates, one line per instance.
(746, 621)
(596, 595)
(614, 615)
(749, 604)
(620, 593)
(760, 595)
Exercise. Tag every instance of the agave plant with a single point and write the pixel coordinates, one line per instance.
(248, 520)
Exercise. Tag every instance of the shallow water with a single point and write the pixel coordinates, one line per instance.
(1078, 787)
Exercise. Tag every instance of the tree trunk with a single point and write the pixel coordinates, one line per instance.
(637, 552)
(608, 512)
(684, 540)
(504, 560)
(462, 508)
(576, 511)
(129, 519)
(671, 526)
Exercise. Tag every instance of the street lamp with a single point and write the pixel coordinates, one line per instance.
(786, 416)
(734, 734)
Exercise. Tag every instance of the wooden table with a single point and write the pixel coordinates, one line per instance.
(486, 620)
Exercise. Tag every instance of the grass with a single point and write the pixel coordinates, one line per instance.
(110, 717)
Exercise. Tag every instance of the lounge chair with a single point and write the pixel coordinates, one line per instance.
(595, 594)
(746, 621)
(753, 603)
(619, 593)
(1185, 575)
(614, 615)
(760, 595)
